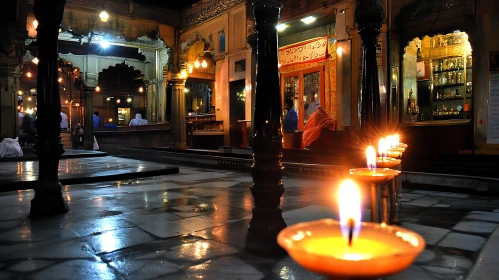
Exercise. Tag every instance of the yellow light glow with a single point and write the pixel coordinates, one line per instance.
(339, 51)
(59, 80)
(204, 64)
(349, 202)
(108, 99)
(281, 27)
(29, 74)
(197, 64)
(29, 98)
(20, 92)
(35, 24)
(190, 69)
(110, 120)
(141, 89)
(382, 147)
(129, 100)
(104, 16)
(97, 88)
(118, 101)
(67, 101)
(308, 19)
(371, 158)
(396, 140)
(35, 60)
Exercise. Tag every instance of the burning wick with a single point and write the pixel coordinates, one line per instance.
(351, 224)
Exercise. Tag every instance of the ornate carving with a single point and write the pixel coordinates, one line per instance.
(184, 46)
(205, 11)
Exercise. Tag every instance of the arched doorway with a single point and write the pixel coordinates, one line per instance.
(121, 95)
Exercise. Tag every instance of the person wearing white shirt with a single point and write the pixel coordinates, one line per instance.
(64, 122)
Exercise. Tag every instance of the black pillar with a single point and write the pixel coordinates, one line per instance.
(267, 167)
(369, 16)
(48, 147)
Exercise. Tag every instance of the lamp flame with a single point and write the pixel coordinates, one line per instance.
(371, 158)
(396, 139)
(350, 210)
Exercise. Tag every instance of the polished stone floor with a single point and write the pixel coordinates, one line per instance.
(193, 225)
(21, 175)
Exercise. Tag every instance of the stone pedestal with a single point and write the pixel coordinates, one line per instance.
(88, 127)
(179, 113)
(267, 168)
(369, 16)
(48, 146)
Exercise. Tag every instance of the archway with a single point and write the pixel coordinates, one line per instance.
(120, 95)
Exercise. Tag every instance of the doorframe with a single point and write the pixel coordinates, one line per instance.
(300, 74)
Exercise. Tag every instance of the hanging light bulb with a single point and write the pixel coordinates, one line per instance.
(59, 80)
(29, 75)
(204, 64)
(108, 99)
(196, 64)
(141, 89)
(67, 101)
(97, 88)
(29, 98)
(118, 101)
(35, 60)
(129, 100)
(20, 92)
(104, 16)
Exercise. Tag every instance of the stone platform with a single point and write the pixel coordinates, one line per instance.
(68, 153)
(22, 175)
(193, 225)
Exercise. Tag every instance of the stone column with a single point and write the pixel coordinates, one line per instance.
(9, 84)
(14, 34)
(88, 127)
(179, 113)
(48, 147)
(267, 168)
(369, 16)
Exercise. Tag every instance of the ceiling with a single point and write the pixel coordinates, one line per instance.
(177, 5)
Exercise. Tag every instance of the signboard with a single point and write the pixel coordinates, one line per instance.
(493, 129)
(303, 52)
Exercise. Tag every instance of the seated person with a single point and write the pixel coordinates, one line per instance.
(138, 120)
(315, 124)
(290, 122)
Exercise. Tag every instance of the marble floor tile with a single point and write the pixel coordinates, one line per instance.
(441, 194)
(225, 268)
(426, 256)
(430, 234)
(77, 269)
(462, 241)
(475, 227)
(414, 272)
(200, 251)
(422, 202)
(118, 239)
(144, 269)
(483, 216)
(30, 265)
(179, 227)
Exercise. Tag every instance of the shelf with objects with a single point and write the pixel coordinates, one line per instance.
(204, 131)
(441, 89)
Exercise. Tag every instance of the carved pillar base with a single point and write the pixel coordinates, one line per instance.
(179, 114)
(88, 128)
